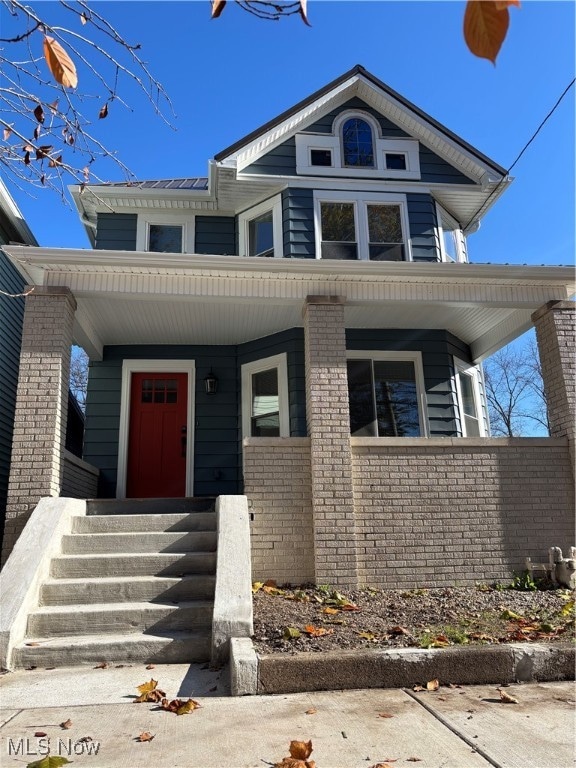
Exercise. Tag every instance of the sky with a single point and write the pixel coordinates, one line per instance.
(228, 76)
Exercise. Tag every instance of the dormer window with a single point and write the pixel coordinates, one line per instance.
(165, 232)
(357, 143)
(164, 238)
(355, 148)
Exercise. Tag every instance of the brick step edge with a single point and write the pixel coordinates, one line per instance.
(251, 673)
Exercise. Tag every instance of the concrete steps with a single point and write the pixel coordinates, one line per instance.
(134, 582)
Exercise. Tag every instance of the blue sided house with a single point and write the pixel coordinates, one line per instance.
(301, 329)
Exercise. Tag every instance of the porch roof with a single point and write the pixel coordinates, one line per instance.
(127, 297)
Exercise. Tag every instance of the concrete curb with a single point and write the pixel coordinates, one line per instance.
(401, 668)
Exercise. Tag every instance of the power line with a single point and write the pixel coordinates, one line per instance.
(524, 148)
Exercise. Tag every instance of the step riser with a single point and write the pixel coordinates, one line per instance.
(133, 565)
(154, 652)
(193, 588)
(115, 622)
(92, 543)
(148, 506)
(196, 521)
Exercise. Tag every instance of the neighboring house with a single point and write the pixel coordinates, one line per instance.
(13, 229)
(303, 326)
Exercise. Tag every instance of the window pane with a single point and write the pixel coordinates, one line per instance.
(147, 390)
(357, 143)
(320, 157)
(450, 250)
(266, 426)
(396, 399)
(395, 162)
(165, 239)
(338, 222)
(384, 225)
(361, 398)
(467, 390)
(261, 235)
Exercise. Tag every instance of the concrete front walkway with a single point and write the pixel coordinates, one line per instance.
(466, 727)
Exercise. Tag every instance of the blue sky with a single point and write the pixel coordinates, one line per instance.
(228, 76)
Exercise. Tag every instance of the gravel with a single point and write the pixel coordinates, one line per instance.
(407, 618)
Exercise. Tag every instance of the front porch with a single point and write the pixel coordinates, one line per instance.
(328, 506)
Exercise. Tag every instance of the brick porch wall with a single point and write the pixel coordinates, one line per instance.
(458, 511)
(428, 512)
(277, 482)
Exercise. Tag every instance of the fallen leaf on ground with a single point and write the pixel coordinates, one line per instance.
(385, 714)
(102, 665)
(367, 635)
(313, 631)
(145, 736)
(40, 735)
(151, 666)
(383, 765)
(331, 611)
(85, 739)
(506, 698)
(50, 761)
(414, 759)
(66, 724)
(291, 633)
(257, 586)
(398, 631)
(311, 711)
(149, 693)
(300, 751)
(432, 685)
(31, 643)
(418, 688)
(179, 706)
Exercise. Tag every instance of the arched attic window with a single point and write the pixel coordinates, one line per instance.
(357, 143)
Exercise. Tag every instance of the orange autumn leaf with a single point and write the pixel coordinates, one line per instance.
(432, 685)
(331, 611)
(485, 28)
(300, 750)
(59, 63)
(313, 631)
(505, 698)
(145, 736)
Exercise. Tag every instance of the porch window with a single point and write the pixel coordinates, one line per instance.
(384, 396)
(265, 398)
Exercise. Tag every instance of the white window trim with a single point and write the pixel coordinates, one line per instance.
(274, 204)
(459, 240)
(186, 221)
(471, 370)
(382, 145)
(360, 200)
(248, 370)
(154, 366)
(413, 357)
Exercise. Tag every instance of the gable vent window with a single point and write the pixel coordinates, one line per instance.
(164, 238)
(357, 143)
(395, 161)
(321, 157)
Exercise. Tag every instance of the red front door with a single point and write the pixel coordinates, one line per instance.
(157, 436)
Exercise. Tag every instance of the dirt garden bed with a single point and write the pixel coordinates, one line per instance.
(294, 619)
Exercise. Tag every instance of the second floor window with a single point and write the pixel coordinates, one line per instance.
(361, 227)
(357, 143)
(165, 238)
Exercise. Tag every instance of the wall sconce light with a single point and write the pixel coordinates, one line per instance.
(211, 383)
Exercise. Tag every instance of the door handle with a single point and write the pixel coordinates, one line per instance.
(183, 441)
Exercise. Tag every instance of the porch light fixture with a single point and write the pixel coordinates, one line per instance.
(211, 383)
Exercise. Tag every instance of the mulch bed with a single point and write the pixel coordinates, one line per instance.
(310, 619)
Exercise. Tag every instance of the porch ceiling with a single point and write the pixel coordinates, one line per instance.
(144, 298)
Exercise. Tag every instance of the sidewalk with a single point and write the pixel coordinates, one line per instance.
(467, 727)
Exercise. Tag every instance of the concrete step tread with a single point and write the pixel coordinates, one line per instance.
(125, 555)
(171, 522)
(134, 542)
(167, 580)
(120, 607)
